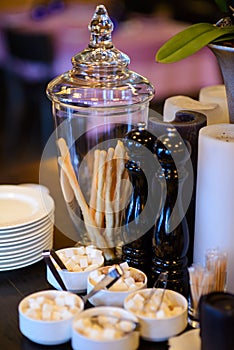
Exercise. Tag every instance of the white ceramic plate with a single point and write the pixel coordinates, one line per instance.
(21, 205)
(16, 238)
(33, 258)
(37, 187)
(189, 340)
(13, 253)
(27, 228)
(21, 254)
(26, 243)
(24, 237)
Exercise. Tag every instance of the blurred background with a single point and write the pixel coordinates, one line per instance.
(38, 39)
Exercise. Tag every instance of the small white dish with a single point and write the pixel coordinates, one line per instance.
(160, 325)
(46, 317)
(113, 296)
(128, 341)
(75, 281)
(189, 340)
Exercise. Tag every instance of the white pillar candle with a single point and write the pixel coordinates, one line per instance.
(212, 111)
(216, 94)
(214, 217)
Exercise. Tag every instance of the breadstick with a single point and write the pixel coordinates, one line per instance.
(126, 189)
(120, 166)
(109, 215)
(93, 194)
(63, 148)
(100, 203)
(67, 191)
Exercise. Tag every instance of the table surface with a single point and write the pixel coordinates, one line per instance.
(16, 284)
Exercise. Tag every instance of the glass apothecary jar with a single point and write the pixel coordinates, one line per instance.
(94, 105)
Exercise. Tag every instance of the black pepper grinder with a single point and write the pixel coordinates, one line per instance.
(139, 218)
(171, 234)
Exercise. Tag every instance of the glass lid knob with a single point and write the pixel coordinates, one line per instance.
(100, 75)
(100, 52)
(101, 28)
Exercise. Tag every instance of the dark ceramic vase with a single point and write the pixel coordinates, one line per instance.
(188, 125)
(225, 58)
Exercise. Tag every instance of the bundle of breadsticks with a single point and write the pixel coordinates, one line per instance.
(110, 190)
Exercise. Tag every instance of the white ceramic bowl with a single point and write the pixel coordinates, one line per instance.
(48, 331)
(164, 325)
(113, 296)
(75, 281)
(129, 341)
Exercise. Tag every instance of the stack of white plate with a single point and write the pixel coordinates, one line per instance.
(26, 225)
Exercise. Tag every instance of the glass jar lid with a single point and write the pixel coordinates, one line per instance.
(100, 76)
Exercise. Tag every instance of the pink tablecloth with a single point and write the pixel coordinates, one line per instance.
(139, 38)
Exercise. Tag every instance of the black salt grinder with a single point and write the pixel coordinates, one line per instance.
(139, 219)
(171, 235)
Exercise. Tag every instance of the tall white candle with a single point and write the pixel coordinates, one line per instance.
(216, 94)
(214, 218)
(212, 111)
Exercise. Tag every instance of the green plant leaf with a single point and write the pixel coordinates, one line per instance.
(227, 37)
(190, 40)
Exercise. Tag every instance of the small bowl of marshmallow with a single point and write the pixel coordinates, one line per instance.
(161, 314)
(46, 317)
(105, 328)
(131, 280)
(79, 262)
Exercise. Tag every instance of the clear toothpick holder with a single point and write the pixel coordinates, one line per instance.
(201, 282)
(216, 262)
